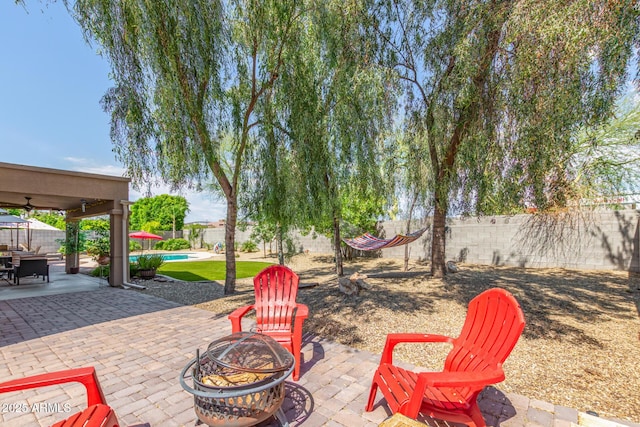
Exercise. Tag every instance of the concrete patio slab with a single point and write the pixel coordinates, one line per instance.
(139, 344)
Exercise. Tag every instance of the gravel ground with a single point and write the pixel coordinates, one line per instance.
(580, 347)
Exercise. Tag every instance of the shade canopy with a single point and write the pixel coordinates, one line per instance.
(144, 235)
(11, 219)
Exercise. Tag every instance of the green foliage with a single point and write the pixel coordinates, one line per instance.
(163, 209)
(196, 234)
(605, 160)
(52, 219)
(193, 84)
(496, 92)
(98, 247)
(100, 225)
(248, 246)
(322, 142)
(134, 246)
(172, 245)
(101, 244)
(151, 227)
(100, 271)
(286, 104)
(70, 246)
(149, 262)
(133, 269)
(264, 232)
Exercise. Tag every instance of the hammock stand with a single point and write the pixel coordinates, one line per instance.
(367, 242)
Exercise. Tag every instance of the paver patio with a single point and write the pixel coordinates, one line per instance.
(139, 344)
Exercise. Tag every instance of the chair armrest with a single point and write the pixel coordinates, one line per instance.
(302, 311)
(85, 376)
(395, 339)
(236, 317)
(461, 379)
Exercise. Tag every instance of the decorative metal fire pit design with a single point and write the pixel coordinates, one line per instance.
(239, 381)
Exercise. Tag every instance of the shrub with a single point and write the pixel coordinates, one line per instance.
(101, 271)
(133, 269)
(249, 246)
(134, 246)
(150, 262)
(69, 246)
(98, 247)
(172, 245)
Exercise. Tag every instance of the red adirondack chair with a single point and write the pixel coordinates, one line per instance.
(492, 327)
(278, 315)
(98, 413)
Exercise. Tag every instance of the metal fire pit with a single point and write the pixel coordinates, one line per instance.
(239, 381)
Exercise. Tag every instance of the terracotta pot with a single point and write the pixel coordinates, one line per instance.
(103, 260)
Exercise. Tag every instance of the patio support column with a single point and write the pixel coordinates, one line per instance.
(116, 240)
(126, 273)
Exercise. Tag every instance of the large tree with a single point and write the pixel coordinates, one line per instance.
(499, 88)
(168, 210)
(189, 74)
(321, 149)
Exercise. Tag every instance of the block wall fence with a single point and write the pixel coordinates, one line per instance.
(606, 240)
(594, 240)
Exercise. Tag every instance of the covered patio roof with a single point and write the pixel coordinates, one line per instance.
(79, 194)
(61, 190)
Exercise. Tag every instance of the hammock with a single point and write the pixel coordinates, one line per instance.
(367, 242)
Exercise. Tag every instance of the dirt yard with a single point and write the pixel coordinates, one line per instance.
(580, 348)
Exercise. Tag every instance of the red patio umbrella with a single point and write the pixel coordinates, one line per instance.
(144, 236)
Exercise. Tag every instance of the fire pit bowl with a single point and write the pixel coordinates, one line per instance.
(239, 380)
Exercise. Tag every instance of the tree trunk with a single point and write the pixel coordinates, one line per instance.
(230, 250)
(406, 247)
(280, 248)
(336, 244)
(438, 262)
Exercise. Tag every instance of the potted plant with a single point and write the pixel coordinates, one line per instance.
(72, 245)
(99, 249)
(148, 264)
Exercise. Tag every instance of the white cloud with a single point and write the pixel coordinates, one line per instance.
(202, 206)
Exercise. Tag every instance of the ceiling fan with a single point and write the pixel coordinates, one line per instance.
(27, 206)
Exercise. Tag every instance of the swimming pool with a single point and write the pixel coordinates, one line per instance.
(166, 257)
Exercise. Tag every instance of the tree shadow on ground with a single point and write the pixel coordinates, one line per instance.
(548, 296)
(555, 301)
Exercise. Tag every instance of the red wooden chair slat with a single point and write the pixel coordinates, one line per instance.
(278, 315)
(98, 413)
(492, 328)
(94, 416)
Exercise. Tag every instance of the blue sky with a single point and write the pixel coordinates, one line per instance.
(51, 83)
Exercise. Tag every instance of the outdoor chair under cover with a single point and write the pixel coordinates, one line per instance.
(492, 327)
(278, 315)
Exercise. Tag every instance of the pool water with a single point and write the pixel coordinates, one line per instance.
(166, 257)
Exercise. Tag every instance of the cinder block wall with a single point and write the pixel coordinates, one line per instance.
(605, 240)
(46, 239)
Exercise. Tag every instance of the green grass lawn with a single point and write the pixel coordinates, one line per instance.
(193, 271)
